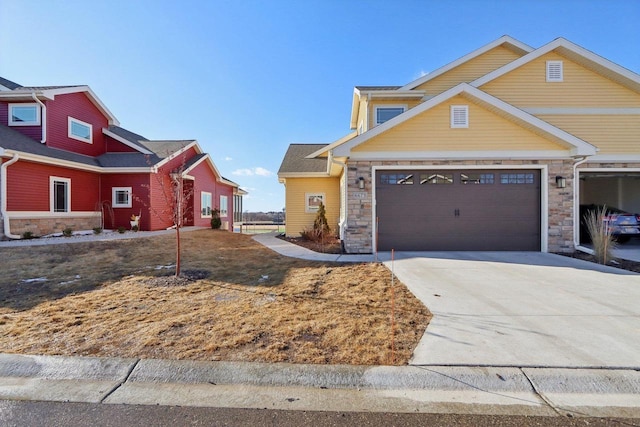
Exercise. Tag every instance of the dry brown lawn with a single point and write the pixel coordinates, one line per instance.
(240, 301)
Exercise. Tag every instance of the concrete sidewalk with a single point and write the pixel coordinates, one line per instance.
(295, 251)
(434, 389)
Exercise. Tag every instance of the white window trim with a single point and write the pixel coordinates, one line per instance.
(224, 213)
(52, 181)
(558, 79)
(313, 209)
(383, 106)
(78, 138)
(464, 108)
(31, 104)
(203, 193)
(114, 199)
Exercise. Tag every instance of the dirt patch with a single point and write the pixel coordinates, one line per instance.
(617, 263)
(236, 300)
(330, 245)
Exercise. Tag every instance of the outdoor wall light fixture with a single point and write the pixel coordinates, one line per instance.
(561, 181)
(361, 183)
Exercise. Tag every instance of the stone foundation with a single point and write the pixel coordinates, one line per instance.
(44, 226)
(358, 232)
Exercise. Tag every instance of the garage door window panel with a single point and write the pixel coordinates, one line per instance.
(396, 178)
(436, 178)
(517, 178)
(477, 178)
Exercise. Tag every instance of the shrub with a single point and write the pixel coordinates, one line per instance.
(28, 235)
(320, 230)
(67, 232)
(216, 223)
(97, 230)
(600, 232)
(121, 230)
(135, 228)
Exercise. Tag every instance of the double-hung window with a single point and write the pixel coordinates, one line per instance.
(80, 130)
(205, 205)
(121, 197)
(60, 194)
(24, 115)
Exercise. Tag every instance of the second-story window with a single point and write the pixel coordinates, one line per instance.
(80, 130)
(24, 115)
(388, 112)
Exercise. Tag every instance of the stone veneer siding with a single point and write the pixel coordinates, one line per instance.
(44, 226)
(359, 229)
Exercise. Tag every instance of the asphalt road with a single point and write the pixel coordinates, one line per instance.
(35, 414)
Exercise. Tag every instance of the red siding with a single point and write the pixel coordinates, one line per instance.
(205, 180)
(113, 146)
(28, 187)
(78, 106)
(139, 184)
(33, 132)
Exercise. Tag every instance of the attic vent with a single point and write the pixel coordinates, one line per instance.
(554, 71)
(459, 116)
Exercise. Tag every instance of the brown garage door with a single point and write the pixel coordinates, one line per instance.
(462, 210)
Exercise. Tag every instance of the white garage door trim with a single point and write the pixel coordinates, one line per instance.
(544, 193)
(576, 199)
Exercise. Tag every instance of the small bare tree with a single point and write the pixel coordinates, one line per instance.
(175, 202)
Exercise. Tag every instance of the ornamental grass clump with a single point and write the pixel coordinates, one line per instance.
(600, 233)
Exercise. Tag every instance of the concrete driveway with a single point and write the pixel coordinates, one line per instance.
(523, 309)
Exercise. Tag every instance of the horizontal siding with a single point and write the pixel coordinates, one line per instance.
(296, 217)
(612, 134)
(139, 184)
(113, 146)
(78, 106)
(470, 70)
(431, 131)
(28, 187)
(526, 86)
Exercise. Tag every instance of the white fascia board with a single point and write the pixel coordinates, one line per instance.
(579, 146)
(331, 146)
(555, 44)
(127, 170)
(463, 155)
(502, 40)
(615, 158)
(73, 165)
(92, 97)
(125, 141)
(177, 153)
(24, 95)
(303, 175)
(394, 93)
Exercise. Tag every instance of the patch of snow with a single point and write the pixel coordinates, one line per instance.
(37, 279)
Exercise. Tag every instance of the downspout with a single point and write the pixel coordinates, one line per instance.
(43, 118)
(3, 196)
(343, 221)
(576, 202)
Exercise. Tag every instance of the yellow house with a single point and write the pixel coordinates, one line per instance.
(494, 151)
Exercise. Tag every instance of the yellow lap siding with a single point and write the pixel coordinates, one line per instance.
(471, 70)
(297, 219)
(431, 131)
(526, 86)
(612, 134)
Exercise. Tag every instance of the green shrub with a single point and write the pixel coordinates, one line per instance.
(135, 228)
(97, 230)
(67, 232)
(216, 223)
(28, 235)
(599, 231)
(320, 230)
(121, 230)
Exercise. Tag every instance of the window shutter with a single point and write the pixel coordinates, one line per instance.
(554, 71)
(459, 116)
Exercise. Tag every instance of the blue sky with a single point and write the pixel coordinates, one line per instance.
(248, 78)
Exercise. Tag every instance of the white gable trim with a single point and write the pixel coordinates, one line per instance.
(502, 40)
(213, 167)
(577, 146)
(125, 141)
(555, 44)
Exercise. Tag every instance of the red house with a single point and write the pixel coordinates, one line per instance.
(66, 163)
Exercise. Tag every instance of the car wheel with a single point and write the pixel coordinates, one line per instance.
(622, 239)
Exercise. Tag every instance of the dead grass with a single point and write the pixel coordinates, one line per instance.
(238, 301)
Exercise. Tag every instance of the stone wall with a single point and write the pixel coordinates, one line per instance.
(44, 226)
(359, 229)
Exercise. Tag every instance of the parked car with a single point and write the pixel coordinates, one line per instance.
(624, 225)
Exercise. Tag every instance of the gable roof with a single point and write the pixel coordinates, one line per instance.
(8, 84)
(575, 53)
(505, 40)
(127, 138)
(577, 146)
(17, 92)
(296, 161)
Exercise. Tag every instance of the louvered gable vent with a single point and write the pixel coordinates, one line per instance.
(554, 71)
(459, 116)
